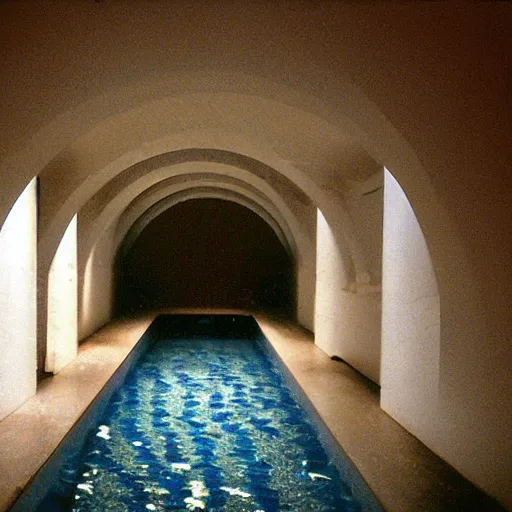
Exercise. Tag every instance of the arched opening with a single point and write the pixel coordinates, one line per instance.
(207, 253)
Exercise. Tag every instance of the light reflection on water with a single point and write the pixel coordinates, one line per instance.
(204, 424)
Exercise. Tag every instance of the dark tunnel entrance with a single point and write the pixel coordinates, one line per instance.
(207, 253)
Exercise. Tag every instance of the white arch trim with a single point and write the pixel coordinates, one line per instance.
(333, 207)
(161, 182)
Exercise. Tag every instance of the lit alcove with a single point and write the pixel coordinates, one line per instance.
(347, 313)
(390, 333)
(18, 262)
(62, 346)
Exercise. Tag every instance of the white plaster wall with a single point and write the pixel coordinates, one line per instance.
(306, 288)
(365, 204)
(96, 298)
(347, 323)
(18, 262)
(410, 320)
(62, 340)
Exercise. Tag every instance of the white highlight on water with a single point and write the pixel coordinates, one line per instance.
(179, 466)
(193, 503)
(103, 432)
(198, 489)
(235, 492)
(318, 476)
(86, 487)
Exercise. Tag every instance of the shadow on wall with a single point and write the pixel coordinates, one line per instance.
(206, 253)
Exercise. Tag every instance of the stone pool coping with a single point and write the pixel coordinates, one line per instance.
(403, 473)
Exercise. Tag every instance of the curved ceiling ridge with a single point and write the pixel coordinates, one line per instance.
(209, 155)
(124, 207)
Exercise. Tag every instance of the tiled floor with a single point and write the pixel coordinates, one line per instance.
(403, 473)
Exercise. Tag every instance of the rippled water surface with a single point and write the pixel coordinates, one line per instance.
(203, 423)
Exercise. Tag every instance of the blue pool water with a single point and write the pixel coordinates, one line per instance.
(204, 421)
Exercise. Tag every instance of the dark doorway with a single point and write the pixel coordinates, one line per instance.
(207, 253)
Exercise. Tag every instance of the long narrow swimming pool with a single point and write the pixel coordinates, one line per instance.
(206, 420)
